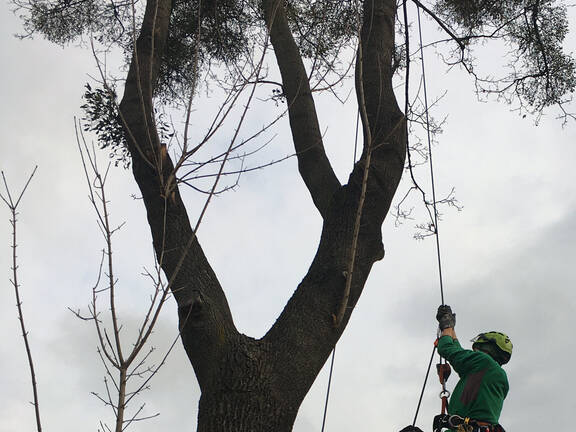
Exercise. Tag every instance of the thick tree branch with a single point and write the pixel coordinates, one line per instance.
(384, 124)
(206, 321)
(313, 163)
(304, 334)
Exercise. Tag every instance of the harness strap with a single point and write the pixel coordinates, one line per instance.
(444, 404)
(460, 424)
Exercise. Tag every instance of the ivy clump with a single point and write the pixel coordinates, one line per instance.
(102, 118)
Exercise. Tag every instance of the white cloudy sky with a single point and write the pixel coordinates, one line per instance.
(508, 260)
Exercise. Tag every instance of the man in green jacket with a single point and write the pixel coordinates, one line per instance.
(477, 399)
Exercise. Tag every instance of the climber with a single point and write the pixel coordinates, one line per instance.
(477, 399)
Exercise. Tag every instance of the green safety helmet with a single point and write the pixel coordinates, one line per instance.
(496, 344)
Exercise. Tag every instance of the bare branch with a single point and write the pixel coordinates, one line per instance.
(441, 24)
(13, 207)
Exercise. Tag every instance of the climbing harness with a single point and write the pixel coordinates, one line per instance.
(461, 424)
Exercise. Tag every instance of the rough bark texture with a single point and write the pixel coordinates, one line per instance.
(258, 385)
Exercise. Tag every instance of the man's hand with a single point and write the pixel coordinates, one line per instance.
(446, 319)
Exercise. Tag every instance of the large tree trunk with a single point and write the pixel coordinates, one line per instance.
(258, 385)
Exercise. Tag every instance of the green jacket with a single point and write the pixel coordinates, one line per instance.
(483, 384)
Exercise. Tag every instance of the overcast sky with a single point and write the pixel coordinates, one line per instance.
(508, 260)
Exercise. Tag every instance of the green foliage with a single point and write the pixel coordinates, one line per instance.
(550, 73)
(102, 118)
(321, 28)
(66, 21)
(201, 33)
(474, 15)
(223, 31)
(204, 33)
(540, 73)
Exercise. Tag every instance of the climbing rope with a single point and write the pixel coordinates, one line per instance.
(436, 233)
(328, 390)
(441, 367)
(423, 387)
(334, 350)
(443, 370)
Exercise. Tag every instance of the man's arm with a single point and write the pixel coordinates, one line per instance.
(449, 331)
(450, 348)
(461, 360)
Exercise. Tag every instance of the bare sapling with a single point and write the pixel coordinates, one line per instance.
(12, 202)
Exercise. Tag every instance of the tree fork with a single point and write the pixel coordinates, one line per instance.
(248, 384)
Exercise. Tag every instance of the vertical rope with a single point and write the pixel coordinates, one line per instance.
(424, 386)
(356, 139)
(432, 181)
(431, 161)
(328, 390)
(334, 350)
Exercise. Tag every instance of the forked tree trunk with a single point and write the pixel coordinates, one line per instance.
(258, 385)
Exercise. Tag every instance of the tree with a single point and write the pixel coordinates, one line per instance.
(250, 384)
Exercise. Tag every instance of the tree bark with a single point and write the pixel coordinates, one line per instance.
(258, 385)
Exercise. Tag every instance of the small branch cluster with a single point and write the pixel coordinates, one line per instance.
(422, 127)
(121, 367)
(538, 73)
